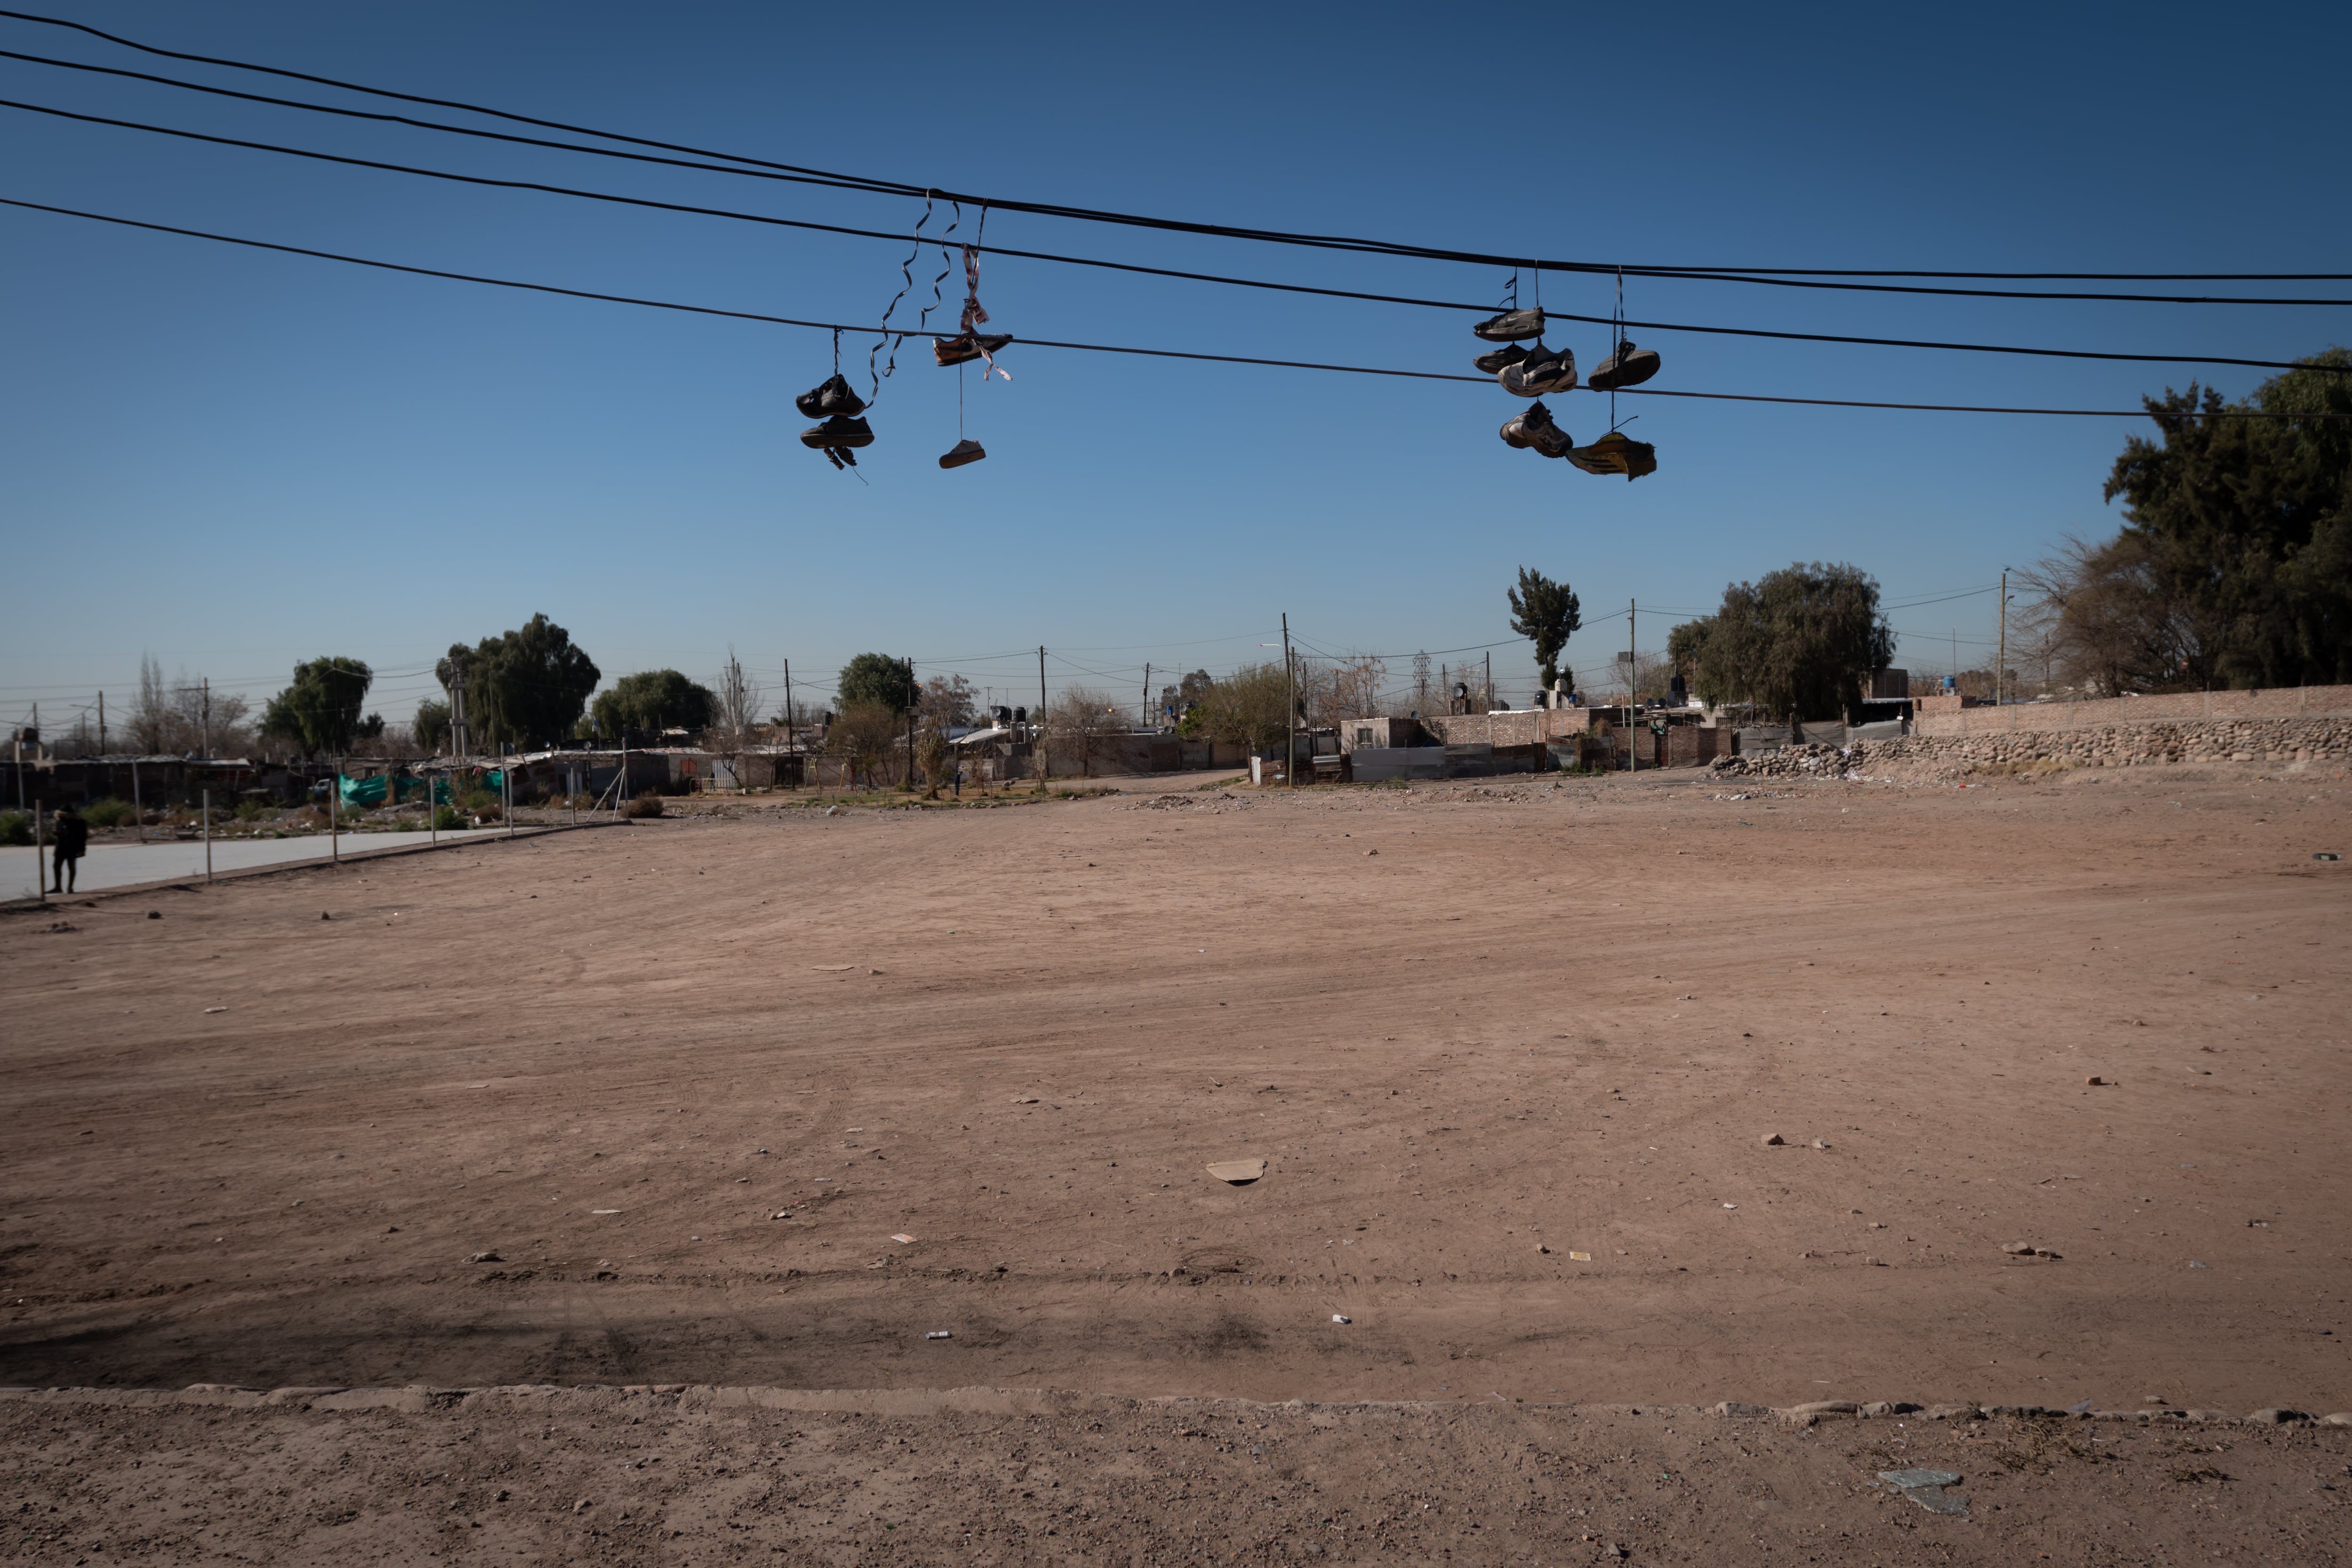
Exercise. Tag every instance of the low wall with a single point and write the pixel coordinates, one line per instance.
(2269, 702)
(2275, 741)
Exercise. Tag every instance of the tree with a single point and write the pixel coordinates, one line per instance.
(2234, 565)
(936, 756)
(876, 678)
(430, 727)
(1247, 708)
(1080, 719)
(321, 711)
(1547, 614)
(948, 699)
(862, 735)
(527, 686)
(1352, 687)
(1801, 639)
(655, 699)
(740, 698)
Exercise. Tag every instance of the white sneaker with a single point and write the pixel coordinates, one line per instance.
(1544, 370)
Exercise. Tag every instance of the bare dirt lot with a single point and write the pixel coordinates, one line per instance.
(687, 1082)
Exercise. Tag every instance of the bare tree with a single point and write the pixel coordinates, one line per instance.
(1351, 687)
(1079, 721)
(863, 735)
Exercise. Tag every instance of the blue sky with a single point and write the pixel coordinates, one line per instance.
(235, 460)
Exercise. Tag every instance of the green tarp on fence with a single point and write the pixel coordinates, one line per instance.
(365, 793)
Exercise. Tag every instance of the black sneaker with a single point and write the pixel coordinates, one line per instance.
(965, 347)
(1494, 362)
(1512, 326)
(838, 434)
(829, 398)
(1544, 370)
(962, 452)
(1617, 453)
(1629, 366)
(1532, 429)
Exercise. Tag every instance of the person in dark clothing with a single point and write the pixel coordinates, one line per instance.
(73, 842)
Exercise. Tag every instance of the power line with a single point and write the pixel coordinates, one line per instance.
(739, 217)
(1785, 277)
(1089, 348)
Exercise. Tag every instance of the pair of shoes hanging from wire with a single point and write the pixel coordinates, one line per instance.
(969, 343)
(1524, 371)
(832, 402)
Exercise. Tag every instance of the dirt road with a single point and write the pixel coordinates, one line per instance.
(687, 1083)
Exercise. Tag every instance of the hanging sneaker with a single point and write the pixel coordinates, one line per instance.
(1629, 366)
(1512, 326)
(1494, 362)
(828, 398)
(1617, 453)
(1532, 429)
(1544, 370)
(965, 347)
(963, 452)
(836, 436)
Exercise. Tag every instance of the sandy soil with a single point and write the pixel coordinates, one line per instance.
(987, 1477)
(689, 1099)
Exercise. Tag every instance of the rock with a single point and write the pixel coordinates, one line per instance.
(484, 1257)
(1952, 1412)
(1906, 1479)
(2336, 1418)
(1824, 1407)
(2018, 1248)
(1733, 1408)
(1873, 1263)
(154, 914)
(2208, 1416)
(583, 1506)
(2095, 1081)
(1818, 1145)
(1772, 1140)
(2275, 1417)
(1881, 1407)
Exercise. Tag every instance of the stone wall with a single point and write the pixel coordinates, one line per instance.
(2321, 738)
(2269, 702)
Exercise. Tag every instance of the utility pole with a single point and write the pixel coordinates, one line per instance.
(101, 724)
(2000, 665)
(205, 729)
(788, 710)
(1037, 730)
(208, 835)
(1490, 684)
(1146, 694)
(1632, 663)
(1290, 709)
(334, 818)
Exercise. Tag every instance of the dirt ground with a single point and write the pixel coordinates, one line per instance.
(690, 1102)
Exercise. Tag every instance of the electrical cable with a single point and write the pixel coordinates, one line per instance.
(1095, 348)
(1614, 322)
(1786, 277)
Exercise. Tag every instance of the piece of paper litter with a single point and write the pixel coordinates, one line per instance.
(902, 1238)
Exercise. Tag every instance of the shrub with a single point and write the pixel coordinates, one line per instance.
(15, 827)
(447, 819)
(107, 814)
(647, 804)
(250, 810)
